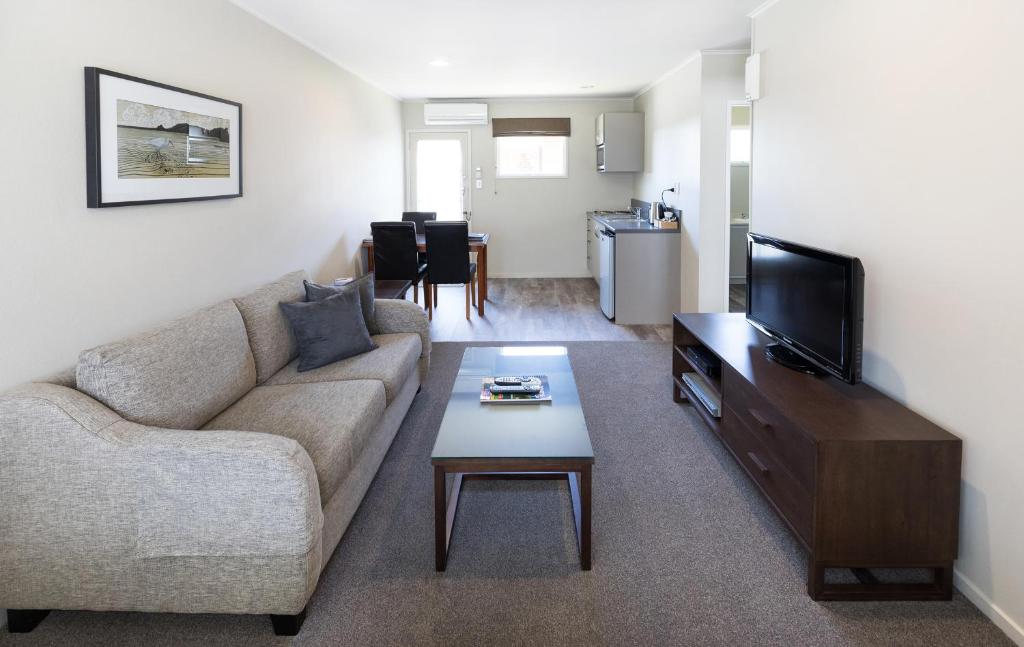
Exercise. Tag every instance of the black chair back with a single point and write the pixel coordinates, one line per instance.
(394, 251)
(447, 252)
(418, 217)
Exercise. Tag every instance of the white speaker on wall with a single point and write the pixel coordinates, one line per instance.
(752, 77)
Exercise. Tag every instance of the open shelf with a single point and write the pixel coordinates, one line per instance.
(714, 382)
(698, 406)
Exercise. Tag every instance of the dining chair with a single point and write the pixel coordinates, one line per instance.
(448, 260)
(418, 217)
(395, 256)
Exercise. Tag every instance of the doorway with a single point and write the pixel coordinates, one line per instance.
(437, 173)
(738, 197)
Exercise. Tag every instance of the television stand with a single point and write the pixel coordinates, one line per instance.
(862, 482)
(790, 359)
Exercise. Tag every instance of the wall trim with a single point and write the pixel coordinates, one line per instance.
(302, 41)
(724, 52)
(526, 99)
(534, 275)
(647, 88)
(998, 617)
(760, 9)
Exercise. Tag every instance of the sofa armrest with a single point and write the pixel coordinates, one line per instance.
(395, 315)
(76, 478)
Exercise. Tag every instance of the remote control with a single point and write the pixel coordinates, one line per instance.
(518, 388)
(514, 380)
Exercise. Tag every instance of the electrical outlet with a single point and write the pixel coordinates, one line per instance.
(676, 187)
(479, 184)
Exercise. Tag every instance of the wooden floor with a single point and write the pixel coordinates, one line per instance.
(738, 298)
(534, 310)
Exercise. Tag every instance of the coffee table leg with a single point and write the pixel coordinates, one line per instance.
(579, 493)
(585, 520)
(440, 520)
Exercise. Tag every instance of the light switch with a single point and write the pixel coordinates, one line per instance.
(478, 174)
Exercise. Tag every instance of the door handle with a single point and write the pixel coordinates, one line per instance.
(758, 464)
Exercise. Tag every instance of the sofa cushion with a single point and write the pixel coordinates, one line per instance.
(329, 330)
(179, 375)
(331, 420)
(270, 336)
(392, 363)
(367, 297)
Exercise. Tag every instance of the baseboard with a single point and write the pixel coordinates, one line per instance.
(998, 617)
(535, 275)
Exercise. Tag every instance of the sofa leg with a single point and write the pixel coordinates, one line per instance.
(22, 621)
(288, 625)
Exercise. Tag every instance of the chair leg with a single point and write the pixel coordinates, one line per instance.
(433, 303)
(435, 293)
(473, 291)
(426, 294)
(288, 625)
(468, 297)
(416, 293)
(22, 621)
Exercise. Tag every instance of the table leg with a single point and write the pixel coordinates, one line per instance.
(440, 520)
(580, 494)
(369, 258)
(585, 517)
(482, 269)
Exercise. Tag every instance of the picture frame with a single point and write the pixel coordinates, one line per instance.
(152, 143)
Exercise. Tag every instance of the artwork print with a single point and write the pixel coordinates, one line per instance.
(149, 142)
(157, 142)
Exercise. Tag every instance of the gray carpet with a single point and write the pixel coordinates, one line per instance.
(686, 552)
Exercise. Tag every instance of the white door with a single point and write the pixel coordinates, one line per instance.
(438, 174)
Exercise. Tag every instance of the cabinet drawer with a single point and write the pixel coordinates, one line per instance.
(793, 501)
(780, 438)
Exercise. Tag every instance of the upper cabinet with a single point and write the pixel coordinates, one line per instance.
(620, 142)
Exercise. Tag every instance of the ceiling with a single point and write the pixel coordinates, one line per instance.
(527, 48)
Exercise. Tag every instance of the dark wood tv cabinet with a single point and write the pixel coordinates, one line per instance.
(863, 482)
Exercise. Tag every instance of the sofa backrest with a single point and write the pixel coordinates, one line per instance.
(179, 375)
(270, 334)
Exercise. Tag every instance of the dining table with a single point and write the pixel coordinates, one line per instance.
(477, 243)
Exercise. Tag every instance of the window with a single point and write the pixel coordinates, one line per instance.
(525, 157)
(739, 145)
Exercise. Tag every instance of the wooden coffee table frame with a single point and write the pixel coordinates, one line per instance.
(576, 471)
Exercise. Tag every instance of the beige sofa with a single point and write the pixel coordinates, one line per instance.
(192, 469)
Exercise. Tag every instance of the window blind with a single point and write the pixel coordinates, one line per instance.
(530, 127)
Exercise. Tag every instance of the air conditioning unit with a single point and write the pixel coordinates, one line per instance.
(455, 114)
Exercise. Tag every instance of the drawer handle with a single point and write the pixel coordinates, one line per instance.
(757, 463)
(759, 418)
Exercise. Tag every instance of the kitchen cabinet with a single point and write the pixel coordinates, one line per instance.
(620, 142)
(641, 285)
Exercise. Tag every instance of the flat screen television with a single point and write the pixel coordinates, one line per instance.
(811, 302)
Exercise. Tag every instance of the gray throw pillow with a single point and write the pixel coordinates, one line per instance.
(317, 292)
(328, 330)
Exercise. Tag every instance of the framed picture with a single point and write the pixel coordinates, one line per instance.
(147, 142)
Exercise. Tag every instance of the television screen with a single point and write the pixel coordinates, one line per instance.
(807, 299)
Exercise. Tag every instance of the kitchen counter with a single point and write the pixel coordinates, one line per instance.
(629, 226)
(638, 276)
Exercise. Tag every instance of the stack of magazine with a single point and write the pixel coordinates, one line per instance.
(543, 395)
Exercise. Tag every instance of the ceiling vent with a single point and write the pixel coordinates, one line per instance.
(455, 114)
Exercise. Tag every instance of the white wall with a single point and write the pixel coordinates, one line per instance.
(323, 157)
(687, 139)
(538, 226)
(892, 131)
(672, 111)
(721, 82)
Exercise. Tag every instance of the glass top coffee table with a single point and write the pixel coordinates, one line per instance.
(535, 440)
